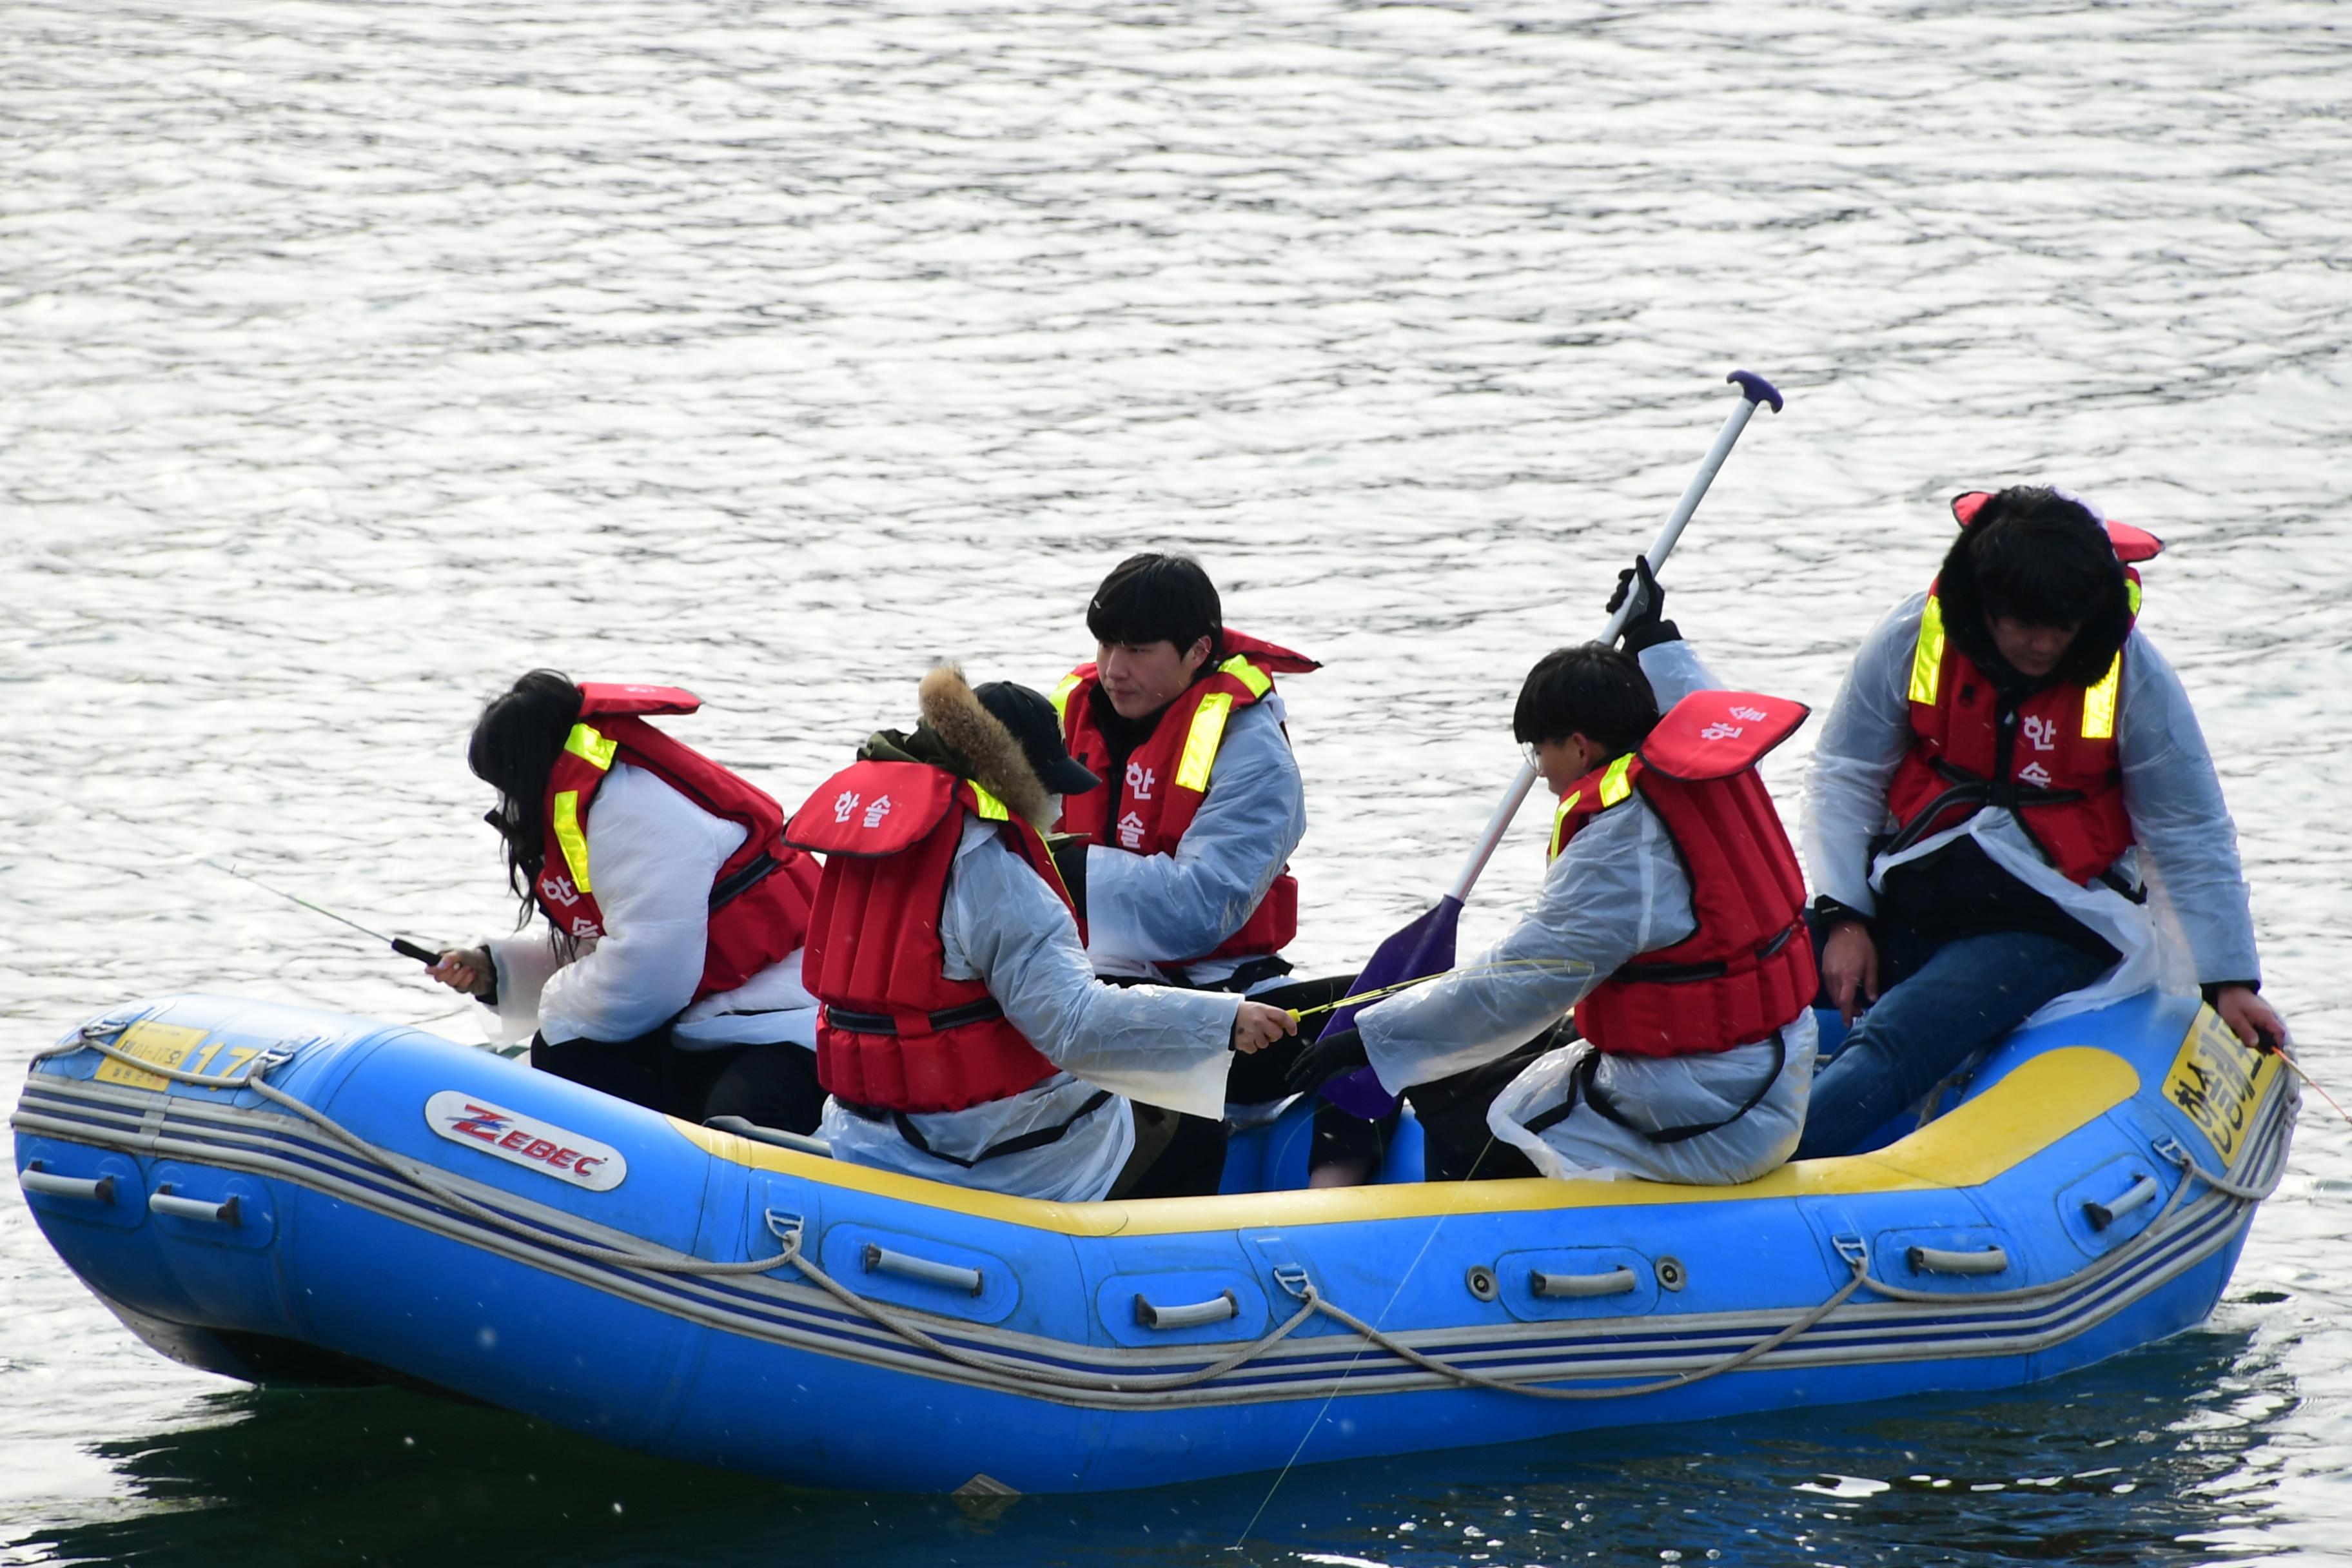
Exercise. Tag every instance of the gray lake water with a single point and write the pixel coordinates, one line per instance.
(354, 358)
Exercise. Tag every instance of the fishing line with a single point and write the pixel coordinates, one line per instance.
(404, 948)
(2297, 1067)
(1461, 1191)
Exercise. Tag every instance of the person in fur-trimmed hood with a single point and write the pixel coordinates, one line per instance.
(964, 1036)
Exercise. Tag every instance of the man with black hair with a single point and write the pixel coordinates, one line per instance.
(1181, 864)
(1183, 872)
(2003, 750)
(1670, 920)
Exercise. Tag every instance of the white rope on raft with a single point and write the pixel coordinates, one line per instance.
(1311, 1301)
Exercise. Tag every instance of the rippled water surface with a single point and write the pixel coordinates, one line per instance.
(355, 357)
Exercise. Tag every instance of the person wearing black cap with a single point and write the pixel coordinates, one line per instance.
(963, 1037)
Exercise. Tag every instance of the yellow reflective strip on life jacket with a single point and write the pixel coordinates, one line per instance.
(1559, 820)
(587, 740)
(1258, 681)
(1062, 695)
(1614, 784)
(1928, 660)
(1200, 745)
(991, 808)
(2131, 592)
(2099, 703)
(569, 835)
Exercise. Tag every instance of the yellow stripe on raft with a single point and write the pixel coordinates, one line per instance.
(2035, 1107)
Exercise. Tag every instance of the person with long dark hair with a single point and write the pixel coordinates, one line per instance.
(2006, 751)
(668, 970)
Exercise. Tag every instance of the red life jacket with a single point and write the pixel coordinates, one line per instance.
(759, 900)
(1147, 810)
(1747, 970)
(2051, 761)
(895, 1033)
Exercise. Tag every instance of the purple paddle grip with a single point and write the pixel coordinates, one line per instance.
(1755, 388)
(1422, 947)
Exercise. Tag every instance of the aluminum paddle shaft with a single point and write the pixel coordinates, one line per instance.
(1753, 389)
(1425, 946)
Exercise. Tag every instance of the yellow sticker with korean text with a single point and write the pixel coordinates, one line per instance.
(2217, 1080)
(166, 1045)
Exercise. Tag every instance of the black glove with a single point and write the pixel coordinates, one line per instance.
(1069, 852)
(1646, 627)
(1338, 1052)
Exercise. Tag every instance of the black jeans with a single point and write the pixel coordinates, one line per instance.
(1457, 1143)
(1189, 1159)
(767, 1085)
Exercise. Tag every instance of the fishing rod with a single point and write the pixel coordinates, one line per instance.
(423, 955)
(1539, 965)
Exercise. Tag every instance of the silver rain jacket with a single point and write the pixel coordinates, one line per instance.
(2170, 791)
(1144, 911)
(1618, 891)
(1001, 926)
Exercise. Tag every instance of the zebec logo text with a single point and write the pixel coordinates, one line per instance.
(568, 1157)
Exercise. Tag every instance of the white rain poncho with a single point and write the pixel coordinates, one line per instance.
(1143, 911)
(1619, 892)
(655, 855)
(1001, 926)
(2170, 791)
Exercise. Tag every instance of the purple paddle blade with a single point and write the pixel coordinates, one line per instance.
(1423, 948)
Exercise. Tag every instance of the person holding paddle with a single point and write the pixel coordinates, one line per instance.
(1671, 921)
(2004, 750)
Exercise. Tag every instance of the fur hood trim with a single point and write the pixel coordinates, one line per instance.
(954, 713)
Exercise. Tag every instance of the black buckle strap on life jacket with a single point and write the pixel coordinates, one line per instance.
(2136, 893)
(1585, 1087)
(1247, 975)
(743, 880)
(980, 1012)
(1976, 793)
(1021, 1143)
(1684, 974)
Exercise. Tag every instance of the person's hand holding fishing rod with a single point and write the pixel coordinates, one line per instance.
(470, 971)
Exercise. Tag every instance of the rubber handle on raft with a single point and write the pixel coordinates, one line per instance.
(881, 1259)
(95, 1190)
(161, 1201)
(2102, 1216)
(1616, 1282)
(407, 949)
(1937, 1261)
(1193, 1315)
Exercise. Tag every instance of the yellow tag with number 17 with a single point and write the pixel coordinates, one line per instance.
(173, 1045)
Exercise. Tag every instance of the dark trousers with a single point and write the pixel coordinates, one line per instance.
(1457, 1143)
(767, 1085)
(1175, 1155)
(1178, 1156)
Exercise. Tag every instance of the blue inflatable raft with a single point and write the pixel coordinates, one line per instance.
(279, 1193)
